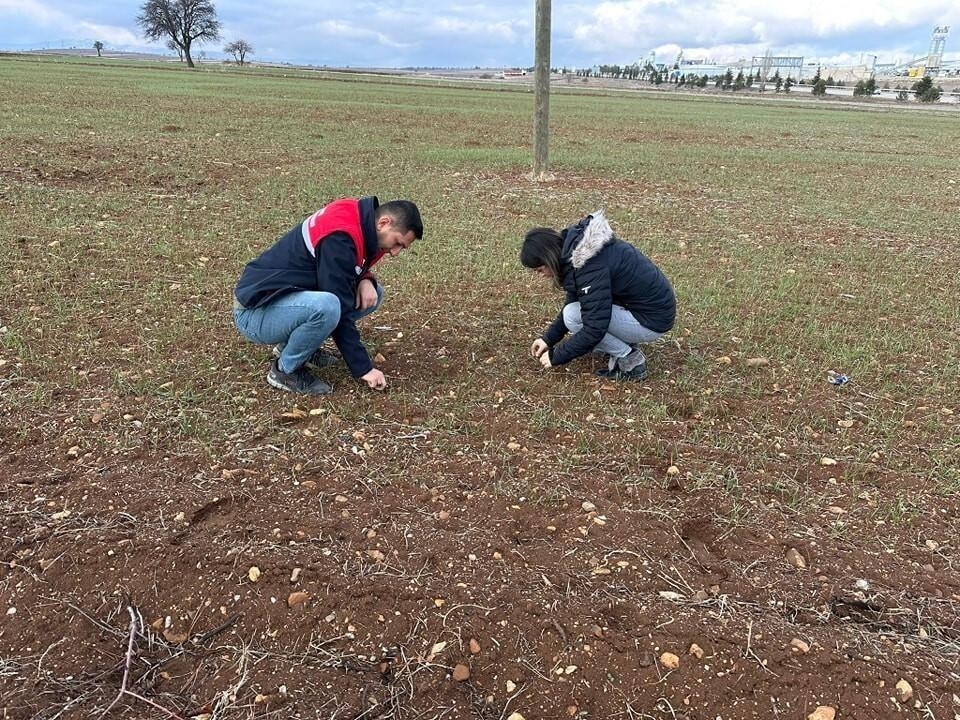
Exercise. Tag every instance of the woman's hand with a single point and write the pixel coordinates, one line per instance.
(538, 348)
(545, 361)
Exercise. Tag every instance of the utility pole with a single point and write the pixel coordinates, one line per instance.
(541, 120)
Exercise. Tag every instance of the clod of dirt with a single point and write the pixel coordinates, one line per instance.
(669, 661)
(296, 598)
(799, 645)
(824, 712)
(757, 362)
(904, 691)
(474, 647)
(645, 660)
(696, 651)
(177, 638)
(253, 573)
(795, 558)
(376, 555)
(461, 673)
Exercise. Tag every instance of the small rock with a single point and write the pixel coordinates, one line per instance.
(588, 506)
(673, 470)
(696, 651)
(904, 691)
(461, 673)
(670, 661)
(863, 585)
(379, 359)
(511, 686)
(474, 647)
(572, 710)
(516, 716)
(73, 452)
(253, 573)
(296, 598)
(724, 360)
(596, 631)
(569, 669)
(827, 461)
(799, 645)
(823, 712)
(795, 558)
(295, 575)
(645, 660)
(757, 362)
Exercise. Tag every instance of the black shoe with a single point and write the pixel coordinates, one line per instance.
(299, 381)
(319, 360)
(637, 374)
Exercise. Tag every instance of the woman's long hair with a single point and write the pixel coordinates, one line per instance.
(543, 247)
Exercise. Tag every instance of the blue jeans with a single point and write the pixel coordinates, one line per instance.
(623, 335)
(300, 321)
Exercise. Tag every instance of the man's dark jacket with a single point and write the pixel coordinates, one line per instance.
(288, 266)
(599, 271)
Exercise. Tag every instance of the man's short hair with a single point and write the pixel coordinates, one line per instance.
(406, 216)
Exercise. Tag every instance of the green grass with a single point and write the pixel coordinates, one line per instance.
(820, 238)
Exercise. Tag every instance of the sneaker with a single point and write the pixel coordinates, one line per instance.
(299, 381)
(319, 360)
(639, 372)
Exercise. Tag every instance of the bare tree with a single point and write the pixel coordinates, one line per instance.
(184, 22)
(98, 46)
(239, 49)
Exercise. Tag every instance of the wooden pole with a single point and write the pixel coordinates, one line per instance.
(541, 121)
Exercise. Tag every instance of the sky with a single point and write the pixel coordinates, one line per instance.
(498, 33)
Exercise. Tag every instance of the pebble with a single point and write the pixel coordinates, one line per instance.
(461, 673)
(511, 686)
(295, 575)
(696, 651)
(673, 470)
(588, 506)
(296, 598)
(824, 712)
(516, 716)
(474, 647)
(904, 691)
(757, 362)
(795, 558)
(253, 573)
(799, 645)
(669, 661)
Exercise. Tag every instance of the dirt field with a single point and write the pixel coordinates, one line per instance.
(734, 538)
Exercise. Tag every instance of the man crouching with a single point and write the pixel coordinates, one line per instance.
(315, 282)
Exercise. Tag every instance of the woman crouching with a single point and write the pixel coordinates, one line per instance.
(616, 297)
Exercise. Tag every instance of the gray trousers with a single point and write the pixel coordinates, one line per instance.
(623, 335)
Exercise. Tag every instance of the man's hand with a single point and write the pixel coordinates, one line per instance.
(545, 361)
(538, 348)
(375, 379)
(366, 294)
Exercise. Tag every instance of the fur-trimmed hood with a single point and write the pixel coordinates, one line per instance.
(587, 238)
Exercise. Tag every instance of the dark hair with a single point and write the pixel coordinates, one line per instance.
(543, 247)
(406, 216)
